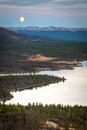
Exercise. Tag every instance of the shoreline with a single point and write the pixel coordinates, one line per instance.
(70, 65)
(57, 65)
(18, 83)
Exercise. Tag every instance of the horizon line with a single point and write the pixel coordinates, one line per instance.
(41, 27)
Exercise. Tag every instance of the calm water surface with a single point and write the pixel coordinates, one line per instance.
(73, 91)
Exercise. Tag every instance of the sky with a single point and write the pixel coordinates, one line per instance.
(43, 13)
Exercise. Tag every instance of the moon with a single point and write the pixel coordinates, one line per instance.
(21, 19)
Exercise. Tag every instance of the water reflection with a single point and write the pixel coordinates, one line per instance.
(73, 91)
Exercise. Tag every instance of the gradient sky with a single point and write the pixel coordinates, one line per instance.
(60, 13)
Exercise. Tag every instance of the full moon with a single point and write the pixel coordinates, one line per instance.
(21, 19)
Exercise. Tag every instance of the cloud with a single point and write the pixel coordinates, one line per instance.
(23, 2)
(69, 2)
(45, 3)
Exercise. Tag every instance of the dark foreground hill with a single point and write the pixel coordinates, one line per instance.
(5, 33)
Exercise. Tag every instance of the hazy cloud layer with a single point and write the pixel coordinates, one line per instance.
(70, 2)
(23, 2)
(42, 2)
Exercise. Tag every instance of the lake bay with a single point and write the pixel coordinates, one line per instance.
(71, 92)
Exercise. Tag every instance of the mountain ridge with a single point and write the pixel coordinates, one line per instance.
(55, 33)
(48, 28)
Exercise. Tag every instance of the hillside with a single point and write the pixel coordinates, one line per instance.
(5, 34)
(16, 51)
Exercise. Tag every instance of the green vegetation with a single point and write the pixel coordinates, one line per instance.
(13, 58)
(14, 83)
(14, 53)
(62, 50)
(35, 116)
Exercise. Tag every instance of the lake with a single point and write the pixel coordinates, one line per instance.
(71, 92)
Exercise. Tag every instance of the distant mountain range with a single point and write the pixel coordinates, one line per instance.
(56, 33)
(49, 28)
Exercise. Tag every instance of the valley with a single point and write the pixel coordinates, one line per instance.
(32, 60)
